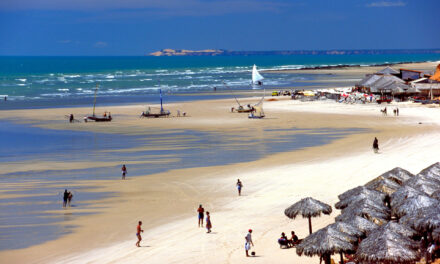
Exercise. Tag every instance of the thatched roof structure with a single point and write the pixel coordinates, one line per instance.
(326, 241)
(384, 81)
(378, 214)
(368, 80)
(398, 175)
(359, 222)
(423, 183)
(404, 193)
(359, 193)
(388, 70)
(432, 171)
(383, 185)
(308, 207)
(401, 229)
(387, 247)
(428, 222)
(414, 203)
(347, 228)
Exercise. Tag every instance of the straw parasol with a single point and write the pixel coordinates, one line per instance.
(397, 175)
(429, 221)
(347, 228)
(326, 242)
(424, 183)
(404, 193)
(401, 229)
(432, 171)
(359, 222)
(368, 209)
(413, 203)
(308, 208)
(359, 193)
(387, 246)
(383, 185)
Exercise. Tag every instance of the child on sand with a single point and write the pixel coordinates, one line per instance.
(248, 243)
(138, 234)
(239, 186)
(200, 212)
(124, 171)
(208, 222)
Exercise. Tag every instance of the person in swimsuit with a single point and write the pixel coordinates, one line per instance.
(124, 171)
(200, 212)
(239, 186)
(208, 222)
(69, 198)
(65, 197)
(138, 234)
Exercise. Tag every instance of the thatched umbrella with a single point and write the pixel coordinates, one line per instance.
(376, 213)
(432, 171)
(326, 242)
(357, 194)
(383, 185)
(359, 222)
(397, 175)
(347, 228)
(401, 229)
(308, 208)
(424, 183)
(404, 193)
(429, 221)
(413, 203)
(387, 246)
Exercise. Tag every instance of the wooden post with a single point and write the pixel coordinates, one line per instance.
(342, 258)
(310, 224)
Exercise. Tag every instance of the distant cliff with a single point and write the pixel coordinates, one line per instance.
(220, 52)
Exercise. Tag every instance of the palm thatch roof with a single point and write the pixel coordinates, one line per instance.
(327, 240)
(378, 214)
(387, 247)
(359, 222)
(423, 183)
(308, 207)
(397, 175)
(432, 171)
(347, 228)
(359, 193)
(428, 222)
(388, 70)
(404, 193)
(383, 185)
(413, 203)
(401, 229)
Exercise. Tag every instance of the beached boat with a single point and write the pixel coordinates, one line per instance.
(256, 76)
(93, 117)
(161, 113)
(258, 112)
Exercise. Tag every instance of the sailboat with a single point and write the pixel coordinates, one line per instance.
(256, 76)
(93, 117)
(162, 112)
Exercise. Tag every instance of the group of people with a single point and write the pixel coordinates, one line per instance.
(284, 241)
(385, 111)
(67, 198)
(201, 215)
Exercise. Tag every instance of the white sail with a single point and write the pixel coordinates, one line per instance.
(256, 76)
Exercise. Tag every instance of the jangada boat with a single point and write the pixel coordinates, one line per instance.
(256, 77)
(162, 113)
(93, 117)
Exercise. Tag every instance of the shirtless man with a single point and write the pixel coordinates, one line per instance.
(138, 234)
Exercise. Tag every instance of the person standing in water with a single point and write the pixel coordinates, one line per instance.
(239, 186)
(65, 197)
(138, 233)
(201, 213)
(208, 222)
(69, 198)
(124, 171)
(376, 145)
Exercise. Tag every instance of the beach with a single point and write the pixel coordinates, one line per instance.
(166, 202)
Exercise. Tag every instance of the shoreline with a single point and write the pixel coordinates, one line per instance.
(166, 201)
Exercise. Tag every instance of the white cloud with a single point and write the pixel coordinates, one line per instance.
(387, 4)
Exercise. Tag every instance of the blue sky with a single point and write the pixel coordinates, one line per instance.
(137, 27)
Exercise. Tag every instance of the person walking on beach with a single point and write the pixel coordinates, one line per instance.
(397, 111)
(201, 213)
(124, 171)
(376, 145)
(65, 197)
(71, 118)
(69, 198)
(248, 243)
(138, 233)
(239, 186)
(208, 223)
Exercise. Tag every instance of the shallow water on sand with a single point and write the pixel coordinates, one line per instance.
(30, 210)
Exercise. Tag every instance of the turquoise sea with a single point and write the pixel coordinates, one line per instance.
(67, 81)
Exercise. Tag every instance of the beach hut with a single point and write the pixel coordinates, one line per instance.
(325, 242)
(386, 247)
(359, 222)
(359, 193)
(308, 208)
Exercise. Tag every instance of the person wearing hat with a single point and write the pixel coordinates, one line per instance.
(247, 245)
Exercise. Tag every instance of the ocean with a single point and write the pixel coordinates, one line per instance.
(70, 81)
